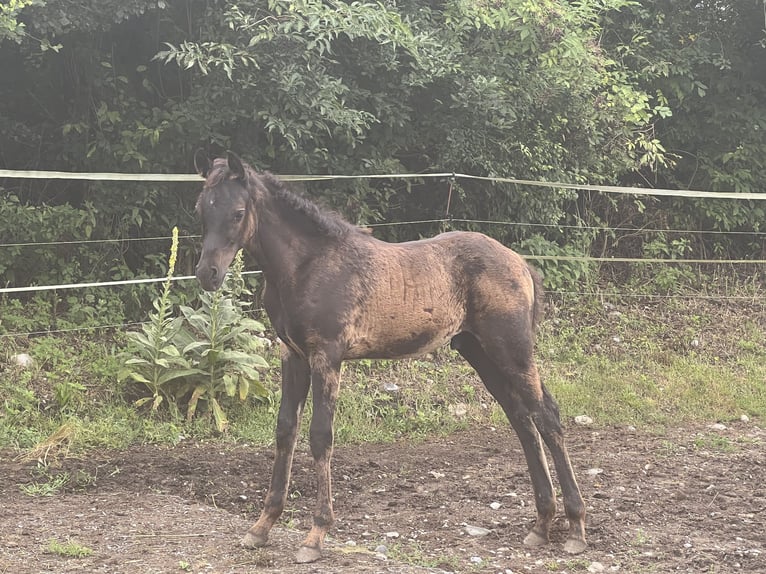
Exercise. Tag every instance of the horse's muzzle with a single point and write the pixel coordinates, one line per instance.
(210, 277)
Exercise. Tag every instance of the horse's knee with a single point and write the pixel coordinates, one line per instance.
(287, 429)
(320, 438)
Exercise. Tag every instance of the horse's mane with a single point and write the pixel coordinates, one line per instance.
(327, 222)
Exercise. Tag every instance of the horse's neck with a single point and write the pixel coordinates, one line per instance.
(280, 244)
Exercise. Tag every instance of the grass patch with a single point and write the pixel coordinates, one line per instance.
(50, 487)
(411, 553)
(68, 549)
(645, 364)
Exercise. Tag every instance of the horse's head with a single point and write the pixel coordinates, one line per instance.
(225, 207)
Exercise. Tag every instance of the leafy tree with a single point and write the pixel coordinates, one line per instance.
(707, 62)
(514, 88)
(568, 91)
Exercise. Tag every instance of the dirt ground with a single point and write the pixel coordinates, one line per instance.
(687, 500)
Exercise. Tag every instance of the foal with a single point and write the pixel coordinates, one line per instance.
(333, 292)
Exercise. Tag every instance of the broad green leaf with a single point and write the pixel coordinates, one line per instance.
(177, 374)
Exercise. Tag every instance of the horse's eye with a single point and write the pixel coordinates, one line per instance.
(239, 215)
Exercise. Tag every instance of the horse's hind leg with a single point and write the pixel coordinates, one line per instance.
(530, 408)
(295, 386)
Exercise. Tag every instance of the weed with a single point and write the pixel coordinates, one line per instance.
(206, 353)
(223, 346)
(411, 552)
(68, 549)
(578, 564)
(153, 359)
(641, 538)
(714, 442)
(49, 488)
(68, 394)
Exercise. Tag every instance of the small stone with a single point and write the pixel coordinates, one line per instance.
(583, 420)
(458, 410)
(617, 339)
(596, 567)
(391, 387)
(381, 549)
(23, 360)
(495, 505)
(436, 475)
(476, 560)
(350, 543)
(243, 497)
(630, 428)
(392, 534)
(717, 427)
(476, 530)
(744, 418)
(594, 471)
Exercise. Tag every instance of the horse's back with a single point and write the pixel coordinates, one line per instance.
(417, 295)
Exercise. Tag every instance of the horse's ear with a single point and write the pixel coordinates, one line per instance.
(236, 166)
(201, 162)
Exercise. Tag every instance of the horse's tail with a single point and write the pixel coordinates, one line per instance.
(539, 295)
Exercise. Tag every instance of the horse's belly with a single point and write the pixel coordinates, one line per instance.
(407, 335)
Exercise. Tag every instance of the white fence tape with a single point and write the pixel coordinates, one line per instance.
(185, 177)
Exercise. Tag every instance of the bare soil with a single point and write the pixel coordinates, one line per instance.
(683, 500)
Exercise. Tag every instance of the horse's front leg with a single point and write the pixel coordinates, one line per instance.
(325, 381)
(295, 386)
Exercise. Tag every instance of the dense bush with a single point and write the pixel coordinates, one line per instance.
(614, 91)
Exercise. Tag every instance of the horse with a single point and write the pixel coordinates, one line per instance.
(333, 292)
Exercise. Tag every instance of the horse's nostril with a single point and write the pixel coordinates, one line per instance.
(213, 272)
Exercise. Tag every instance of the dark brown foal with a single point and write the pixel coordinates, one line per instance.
(334, 293)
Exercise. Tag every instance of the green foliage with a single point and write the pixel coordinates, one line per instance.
(10, 27)
(50, 487)
(610, 91)
(207, 353)
(704, 62)
(69, 549)
(153, 357)
(561, 266)
(222, 344)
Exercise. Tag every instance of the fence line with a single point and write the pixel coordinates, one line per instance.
(648, 260)
(88, 241)
(420, 222)
(64, 286)
(606, 295)
(183, 177)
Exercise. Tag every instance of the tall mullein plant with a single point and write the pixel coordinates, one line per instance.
(224, 344)
(152, 357)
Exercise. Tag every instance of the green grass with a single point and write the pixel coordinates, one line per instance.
(411, 552)
(50, 487)
(675, 363)
(68, 549)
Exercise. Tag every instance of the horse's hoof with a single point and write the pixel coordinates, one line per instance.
(253, 540)
(575, 546)
(308, 554)
(534, 539)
